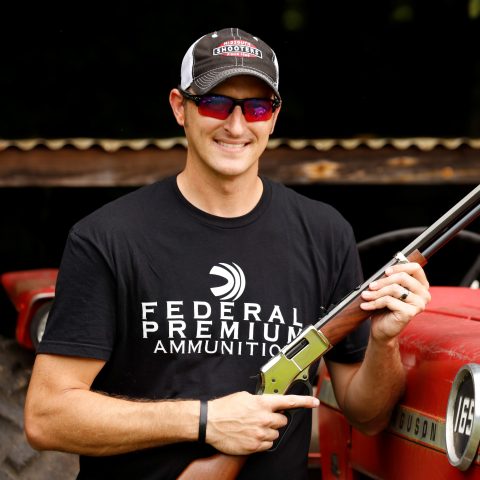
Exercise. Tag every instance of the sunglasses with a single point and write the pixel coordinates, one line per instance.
(221, 106)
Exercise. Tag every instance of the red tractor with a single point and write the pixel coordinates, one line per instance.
(435, 429)
(32, 293)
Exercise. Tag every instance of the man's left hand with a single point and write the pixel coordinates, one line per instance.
(399, 296)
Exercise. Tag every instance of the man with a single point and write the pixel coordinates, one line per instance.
(180, 291)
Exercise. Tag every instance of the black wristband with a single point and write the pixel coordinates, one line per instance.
(202, 424)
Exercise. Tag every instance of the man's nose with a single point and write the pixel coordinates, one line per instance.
(235, 122)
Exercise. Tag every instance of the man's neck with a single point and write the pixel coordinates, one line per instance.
(223, 197)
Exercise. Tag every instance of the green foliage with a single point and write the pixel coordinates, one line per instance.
(474, 9)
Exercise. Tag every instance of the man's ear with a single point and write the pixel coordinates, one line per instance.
(177, 104)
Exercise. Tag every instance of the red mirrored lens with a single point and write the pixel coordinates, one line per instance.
(215, 106)
(220, 107)
(257, 109)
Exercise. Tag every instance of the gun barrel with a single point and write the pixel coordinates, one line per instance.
(419, 250)
(447, 226)
(451, 232)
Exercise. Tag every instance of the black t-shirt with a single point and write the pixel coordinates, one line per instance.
(183, 304)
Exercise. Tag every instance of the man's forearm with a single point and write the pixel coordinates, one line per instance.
(89, 423)
(63, 413)
(376, 387)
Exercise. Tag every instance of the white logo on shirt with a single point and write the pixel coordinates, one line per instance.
(235, 281)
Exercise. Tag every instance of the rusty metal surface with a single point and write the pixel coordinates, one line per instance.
(294, 162)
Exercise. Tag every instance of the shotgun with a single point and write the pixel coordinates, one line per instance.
(291, 364)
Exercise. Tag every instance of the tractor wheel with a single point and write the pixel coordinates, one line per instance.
(17, 459)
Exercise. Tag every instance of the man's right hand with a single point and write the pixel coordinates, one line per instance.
(242, 423)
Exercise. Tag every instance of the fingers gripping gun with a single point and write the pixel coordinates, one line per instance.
(291, 364)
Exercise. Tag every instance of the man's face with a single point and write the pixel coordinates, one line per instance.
(230, 147)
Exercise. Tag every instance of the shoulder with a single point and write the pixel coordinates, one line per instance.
(143, 199)
(317, 213)
(127, 212)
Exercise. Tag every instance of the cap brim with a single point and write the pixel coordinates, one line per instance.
(206, 82)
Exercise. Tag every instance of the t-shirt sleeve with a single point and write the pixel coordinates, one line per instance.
(352, 348)
(82, 319)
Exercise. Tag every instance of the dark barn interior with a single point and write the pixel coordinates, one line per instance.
(396, 69)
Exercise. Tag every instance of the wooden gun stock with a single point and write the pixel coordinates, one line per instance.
(219, 466)
(351, 316)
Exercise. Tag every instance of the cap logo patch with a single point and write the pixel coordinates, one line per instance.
(237, 48)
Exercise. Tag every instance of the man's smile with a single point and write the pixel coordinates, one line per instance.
(231, 146)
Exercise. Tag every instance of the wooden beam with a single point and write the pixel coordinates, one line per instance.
(363, 165)
(69, 166)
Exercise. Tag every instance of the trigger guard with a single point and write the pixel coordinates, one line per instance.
(306, 383)
(302, 379)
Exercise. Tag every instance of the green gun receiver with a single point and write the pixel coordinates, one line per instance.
(291, 364)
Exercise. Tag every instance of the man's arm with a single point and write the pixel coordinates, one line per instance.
(367, 392)
(63, 413)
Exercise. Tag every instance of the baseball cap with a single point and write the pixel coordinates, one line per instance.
(226, 53)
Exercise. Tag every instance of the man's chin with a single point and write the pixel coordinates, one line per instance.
(233, 165)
